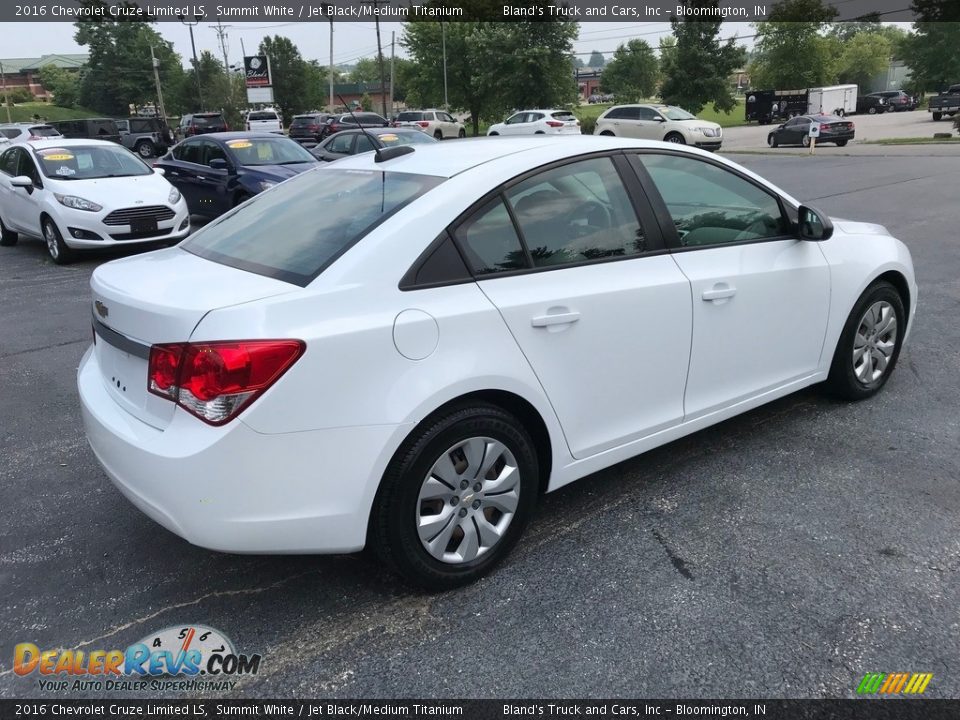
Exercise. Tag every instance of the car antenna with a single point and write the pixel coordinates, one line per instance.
(380, 155)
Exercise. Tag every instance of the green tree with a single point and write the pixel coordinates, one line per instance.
(791, 51)
(632, 72)
(64, 85)
(289, 74)
(366, 70)
(596, 60)
(863, 56)
(700, 65)
(534, 66)
(120, 71)
(931, 52)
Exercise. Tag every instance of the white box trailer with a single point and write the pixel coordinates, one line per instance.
(832, 100)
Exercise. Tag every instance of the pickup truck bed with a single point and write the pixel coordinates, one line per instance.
(947, 103)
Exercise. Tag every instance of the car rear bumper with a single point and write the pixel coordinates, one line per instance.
(833, 137)
(233, 489)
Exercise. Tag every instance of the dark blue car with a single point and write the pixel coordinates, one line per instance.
(218, 171)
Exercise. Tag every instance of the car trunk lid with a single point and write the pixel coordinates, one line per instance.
(159, 298)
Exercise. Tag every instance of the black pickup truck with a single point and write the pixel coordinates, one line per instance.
(946, 103)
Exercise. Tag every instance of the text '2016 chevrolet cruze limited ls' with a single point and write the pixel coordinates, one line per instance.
(403, 350)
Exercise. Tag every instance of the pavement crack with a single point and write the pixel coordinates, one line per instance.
(45, 347)
(678, 562)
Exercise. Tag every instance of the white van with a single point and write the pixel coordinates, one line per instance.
(264, 121)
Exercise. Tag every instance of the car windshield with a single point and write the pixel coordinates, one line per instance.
(294, 231)
(405, 138)
(88, 162)
(268, 151)
(262, 116)
(675, 113)
(409, 116)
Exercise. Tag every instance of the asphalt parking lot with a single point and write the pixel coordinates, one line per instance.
(784, 553)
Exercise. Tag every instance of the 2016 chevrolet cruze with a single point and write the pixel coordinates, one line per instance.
(405, 350)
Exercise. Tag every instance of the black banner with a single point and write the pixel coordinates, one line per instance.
(260, 11)
(257, 70)
(875, 709)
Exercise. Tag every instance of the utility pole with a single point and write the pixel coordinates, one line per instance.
(196, 63)
(6, 98)
(222, 35)
(328, 8)
(393, 57)
(443, 40)
(383, 81)
(156, 79)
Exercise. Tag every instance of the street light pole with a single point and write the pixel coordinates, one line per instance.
(196, 63)
(156, 79)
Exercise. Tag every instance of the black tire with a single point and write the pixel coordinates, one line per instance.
(393, 530)
(843, 381)
(8, 238)
(872, 110)
(842, 143)
(608, 133)
(805, 141)
(59, 252)
(772, 141)
(493, 134)
(462, 134)
(675, 138)
(937, 116)
(145, 149)
(539, 132)
(438, 135)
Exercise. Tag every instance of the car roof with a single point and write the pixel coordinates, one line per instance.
(21, 125)
(379, 131)
(59, 142)
(436, 158)
(235, 135)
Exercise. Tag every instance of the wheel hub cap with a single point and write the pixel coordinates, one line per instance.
(468, 500)
(874, 343)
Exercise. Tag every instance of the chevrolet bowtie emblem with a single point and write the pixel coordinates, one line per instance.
(102, 310)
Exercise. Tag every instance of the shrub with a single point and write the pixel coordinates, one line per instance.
(20, 95)
(587, 125)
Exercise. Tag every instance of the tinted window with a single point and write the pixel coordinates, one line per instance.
(263, 116)
(576, 212)
(8, 161)
(711, 205)
(207, 120)
(97, 128)
(309, 220)
(26, 167)
(10, 132)
(305, 120)
(212, 151)
(564, 115)
(624, 113)
(43, 131)
(341, 143)
(648, 113)
(188, 152)
(518, 118)
(144, 126)
(409, 116)
(490, 241)
(363, 145)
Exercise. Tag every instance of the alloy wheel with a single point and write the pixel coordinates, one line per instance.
(875, 342)
(468, 500)
(51, 237)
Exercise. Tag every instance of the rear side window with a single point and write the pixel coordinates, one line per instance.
(97, 128)
(294, 231)
(43, 131)
(490, 241)
(623, 113)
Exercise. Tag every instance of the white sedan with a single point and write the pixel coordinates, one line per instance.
(406, 349)
(78, 194)
(538, 122)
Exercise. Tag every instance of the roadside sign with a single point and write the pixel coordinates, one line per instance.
(257, 95)
(257, 70)
(814, 131)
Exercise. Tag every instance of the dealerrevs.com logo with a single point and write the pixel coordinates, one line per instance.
(182, 658)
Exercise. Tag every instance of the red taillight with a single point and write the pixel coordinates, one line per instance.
(423, 124)
(554, 123)
(214, 381)
(313, 127)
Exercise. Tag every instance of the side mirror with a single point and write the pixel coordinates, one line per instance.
(159, 171)
(219, 164)
(782, 126)
(22, 181)
(814, 224)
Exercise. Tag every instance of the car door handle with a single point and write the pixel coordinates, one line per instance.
(720, 291)
(564, 318)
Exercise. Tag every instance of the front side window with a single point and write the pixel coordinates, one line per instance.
(711, 205)
(648, 113)
(188, 152)
(675, 113)
(8, 161)
(341, 143)
(212, 151)
(516, 119)
(575, 213)
(292, 232)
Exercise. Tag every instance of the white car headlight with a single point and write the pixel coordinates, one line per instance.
(77, 203)
(174, 197)
(266, 184)
(709, 132)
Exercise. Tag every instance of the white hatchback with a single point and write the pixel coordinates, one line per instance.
(538, 122)
(438, 123)
(405, 349)
(85, 194)
(659, 122)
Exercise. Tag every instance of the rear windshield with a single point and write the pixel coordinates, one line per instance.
(207, 120)
(363, 119)
(410, 116)
(262, 116)
(41, 131)
(295, 230)
(564, 115)
(304, 120)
